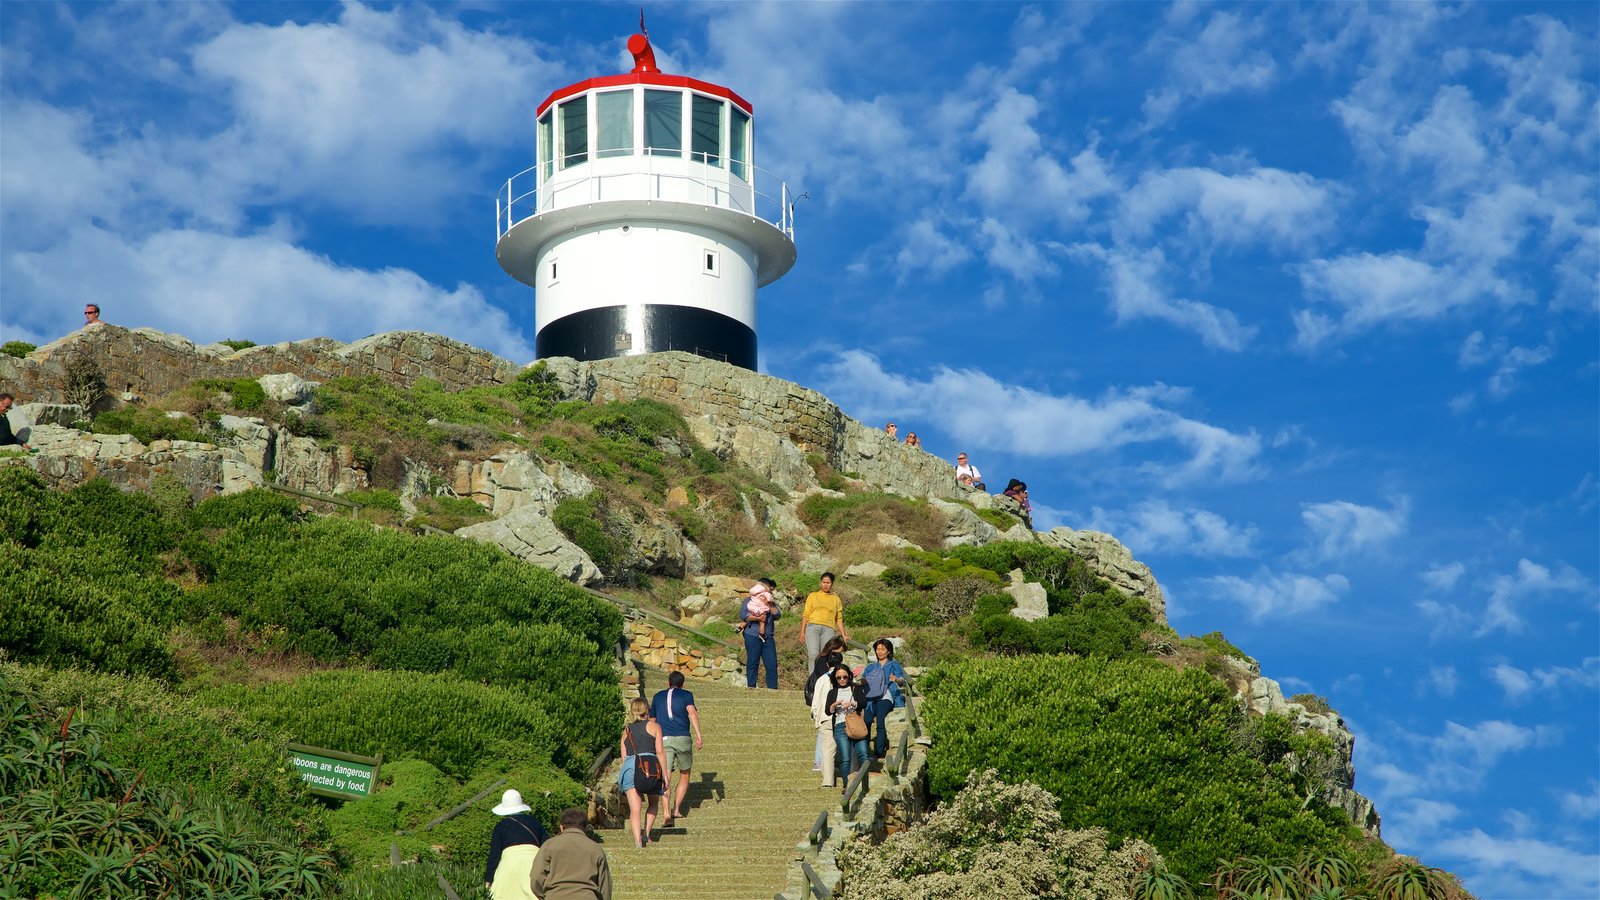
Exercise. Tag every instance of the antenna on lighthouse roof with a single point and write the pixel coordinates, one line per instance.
(643, 30)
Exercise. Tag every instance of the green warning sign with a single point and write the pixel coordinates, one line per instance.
(334, 774)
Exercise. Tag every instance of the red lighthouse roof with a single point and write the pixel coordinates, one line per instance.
(645, 72)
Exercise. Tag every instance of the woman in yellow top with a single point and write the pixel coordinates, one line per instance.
(823, 619)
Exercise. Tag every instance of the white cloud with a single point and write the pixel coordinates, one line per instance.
(1447, 618)
(1582, 806)
(1443, 577)
(1476, 350)
(1443, 680)
(1507, 593)
(1019, 178)
(1223, 58)
(1259, 206)
(1276, 594)
(981, 412)
(1519, 684)
(1154, 526)
(1343, 528)
(1372, 289)
(1503, 866)
(253, 287)
(928, 251)
(1136, 279)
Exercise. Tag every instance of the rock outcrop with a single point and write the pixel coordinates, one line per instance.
(528, 534)
(67, 458)
(1108, 558)
(143, 362)
(1266, 696)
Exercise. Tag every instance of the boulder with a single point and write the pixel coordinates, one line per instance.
(528, 534)
(300, 463)
(287, 388)
(658, 548)
(868, 569)
(1033, 603)
(895, 542)
(253, 438)
(27, 414)
(67, 458)
(1108, 558)
(963, 527)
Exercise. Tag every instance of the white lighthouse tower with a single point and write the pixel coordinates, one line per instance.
(644, 224)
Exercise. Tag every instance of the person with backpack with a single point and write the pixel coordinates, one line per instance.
(883, 677)
(642, 777)
(818, 682)
(512, 848)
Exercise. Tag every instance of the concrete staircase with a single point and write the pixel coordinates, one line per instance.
(752, 797)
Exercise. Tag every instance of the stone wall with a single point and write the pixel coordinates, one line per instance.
(143, 362)
(660, 650)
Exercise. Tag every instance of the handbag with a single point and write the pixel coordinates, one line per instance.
(855, 726)
(647, 774)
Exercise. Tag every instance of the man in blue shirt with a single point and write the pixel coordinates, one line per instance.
(673, 709)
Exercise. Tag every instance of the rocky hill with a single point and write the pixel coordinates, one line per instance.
(220, 421)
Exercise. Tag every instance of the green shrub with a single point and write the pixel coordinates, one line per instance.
(877, 512)
(455, 724)
(1131, 746)
(417, 881)
(80, 825)
(993, 840)
(581, 519)
(245, 394)
(387, 501)
(147, 425)
(1216, 643)
(1314, 703)
(19, 349)
(237, 345)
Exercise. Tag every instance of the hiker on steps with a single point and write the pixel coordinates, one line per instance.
(512, 848)
(822, 620)
(673, 710)
(883, 677)
(758, 621)
(572, 865)
(817, 685)
(641, 778)
(846, 697)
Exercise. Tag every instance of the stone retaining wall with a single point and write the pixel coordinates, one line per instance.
(656, 648)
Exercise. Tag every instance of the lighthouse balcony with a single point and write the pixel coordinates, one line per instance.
(750, 204)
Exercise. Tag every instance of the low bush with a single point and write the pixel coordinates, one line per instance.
(455, 724)
(77, 824)
(18, 349)
(147, 425)
(1131, 746)
(993, 839)
(911, 519)
(582, 520)
(237, 344)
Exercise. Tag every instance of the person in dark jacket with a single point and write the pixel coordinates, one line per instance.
(7, 438)
(512, 848)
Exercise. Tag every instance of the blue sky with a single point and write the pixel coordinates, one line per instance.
(1298, 301)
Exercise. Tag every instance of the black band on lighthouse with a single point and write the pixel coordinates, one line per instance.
(602, 333)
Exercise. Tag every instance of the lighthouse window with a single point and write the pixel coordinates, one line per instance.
(706, 136)
(574, 132)
(739, 144)
(614, 118)
(663, 122)
(712, 262)
(546, 151)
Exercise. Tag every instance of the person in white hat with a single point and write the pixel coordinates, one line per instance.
(512, 849)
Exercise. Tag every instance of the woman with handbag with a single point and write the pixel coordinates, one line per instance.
(846, 700)
(642, 777)
(817, 685)
(883, 677)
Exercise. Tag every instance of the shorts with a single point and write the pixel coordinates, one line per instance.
(680, 752)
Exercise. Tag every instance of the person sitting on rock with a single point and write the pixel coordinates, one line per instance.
(1018, 491)
(891, 430)
(912, 440)
(7, 437)
(968, 476)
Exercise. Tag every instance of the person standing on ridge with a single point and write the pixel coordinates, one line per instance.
(91, 314)
(822, 620)
(512, 848)
(968, 475)
(571, 865)
(673, 709)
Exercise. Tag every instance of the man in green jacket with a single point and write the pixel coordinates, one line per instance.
(571, 866)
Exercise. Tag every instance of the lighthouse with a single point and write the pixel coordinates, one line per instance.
(644, 224)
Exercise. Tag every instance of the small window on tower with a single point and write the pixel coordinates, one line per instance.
(711, 262)
(555, 272)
